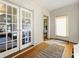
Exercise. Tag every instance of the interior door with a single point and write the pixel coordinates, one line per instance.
(8, 29)
(25, 28)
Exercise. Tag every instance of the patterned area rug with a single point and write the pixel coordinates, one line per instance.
(53, 51)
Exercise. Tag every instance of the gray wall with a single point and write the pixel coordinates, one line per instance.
(72, 11)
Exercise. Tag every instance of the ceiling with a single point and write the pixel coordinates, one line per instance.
(54, 4)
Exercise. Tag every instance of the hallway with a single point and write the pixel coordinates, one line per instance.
(40, 49)
(39, 28)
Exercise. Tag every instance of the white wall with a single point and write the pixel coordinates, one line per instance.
(76, 47)
(76, 50)
(38, 17)
(73, 15)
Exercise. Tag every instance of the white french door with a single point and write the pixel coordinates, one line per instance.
(9, 33)
(25, 28)
(15, 31)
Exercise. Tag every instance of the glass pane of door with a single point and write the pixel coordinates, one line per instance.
(9, 10)
(14, 11)
(9, 27)
(9, 38)
(14, 34)
(14, 19)
(2, 42)
(29, 36)
(24, 28)
(9, 19)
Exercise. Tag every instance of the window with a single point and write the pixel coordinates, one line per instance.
(61, 26)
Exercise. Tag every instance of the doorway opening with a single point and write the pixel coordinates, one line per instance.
(45, 28)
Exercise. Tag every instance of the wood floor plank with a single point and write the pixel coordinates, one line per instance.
(68, 50)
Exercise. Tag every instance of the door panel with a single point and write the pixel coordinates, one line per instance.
(26, 29)
(15, 34)
(8, 29)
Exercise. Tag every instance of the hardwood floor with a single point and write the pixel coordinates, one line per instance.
(69, 47)
(34, 51)
(68, 50)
